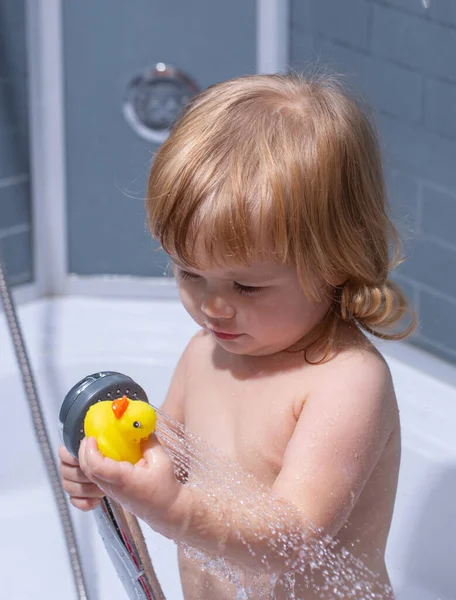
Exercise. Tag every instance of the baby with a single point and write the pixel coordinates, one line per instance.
(269, 198)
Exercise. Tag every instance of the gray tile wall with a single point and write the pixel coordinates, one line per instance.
(403, 58)
(107, 163)
(15, 210)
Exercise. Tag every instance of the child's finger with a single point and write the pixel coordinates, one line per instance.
(82, 490)
(66, 457)
(85, 504)
(153, 452)
(73, 473)
(98, 468)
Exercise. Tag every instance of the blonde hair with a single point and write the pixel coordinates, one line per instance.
(293, 160)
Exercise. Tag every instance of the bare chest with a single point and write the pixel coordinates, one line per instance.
(250, 420)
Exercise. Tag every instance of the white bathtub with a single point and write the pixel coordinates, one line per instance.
(72, 337)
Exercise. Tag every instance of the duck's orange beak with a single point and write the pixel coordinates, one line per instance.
(119, 406)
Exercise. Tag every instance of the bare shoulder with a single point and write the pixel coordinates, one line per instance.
(196, 357)
(198, 345)
(363, 363)
(357, 358)
(173, 405)
(359, 377)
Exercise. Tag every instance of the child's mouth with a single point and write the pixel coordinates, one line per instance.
(225, 336)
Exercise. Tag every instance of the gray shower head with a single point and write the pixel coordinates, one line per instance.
(106, 385)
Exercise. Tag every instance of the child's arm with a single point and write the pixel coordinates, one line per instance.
(341, 433)
(338, 439)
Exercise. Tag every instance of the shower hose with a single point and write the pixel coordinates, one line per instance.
(120, 530)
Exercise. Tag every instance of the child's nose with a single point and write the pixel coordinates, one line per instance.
(215, 306)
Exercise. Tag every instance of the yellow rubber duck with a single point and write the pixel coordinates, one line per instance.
(119, 426)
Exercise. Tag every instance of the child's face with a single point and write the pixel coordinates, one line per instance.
(256, 310)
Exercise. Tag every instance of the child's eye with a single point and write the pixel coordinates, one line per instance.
(247, 290)
(186, 275)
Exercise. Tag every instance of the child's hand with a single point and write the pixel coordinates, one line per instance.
(149, 489)
(84, 494)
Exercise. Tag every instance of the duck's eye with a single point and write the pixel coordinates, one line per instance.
(137, 424)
